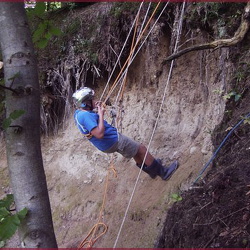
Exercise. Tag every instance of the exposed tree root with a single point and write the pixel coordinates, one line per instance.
(238, 37)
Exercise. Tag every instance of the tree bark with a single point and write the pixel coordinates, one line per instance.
(238, 37)
(23, 146)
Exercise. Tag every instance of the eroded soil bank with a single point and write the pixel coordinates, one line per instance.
(192, 113)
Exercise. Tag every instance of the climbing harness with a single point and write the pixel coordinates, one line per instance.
(218, 149)
(87, 135)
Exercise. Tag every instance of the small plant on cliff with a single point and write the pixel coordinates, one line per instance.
(176, 197)
(246, 120)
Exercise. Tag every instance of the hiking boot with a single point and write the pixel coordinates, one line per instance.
(144, 168)
(165, 173)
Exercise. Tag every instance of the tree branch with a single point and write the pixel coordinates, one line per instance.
(4, 87)
(238, 37)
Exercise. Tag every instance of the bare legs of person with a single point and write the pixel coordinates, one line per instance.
(139, 157)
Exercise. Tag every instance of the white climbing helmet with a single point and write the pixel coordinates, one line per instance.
(82, 95)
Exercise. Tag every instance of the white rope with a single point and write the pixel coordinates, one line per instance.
(138, 12)
(145, 17)
(123, 78)
(125, 71)
(124, 75)
(156, 123)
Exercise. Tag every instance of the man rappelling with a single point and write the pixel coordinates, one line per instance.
(107, 138)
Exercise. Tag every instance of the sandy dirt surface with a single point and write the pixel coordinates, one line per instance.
(76, 171)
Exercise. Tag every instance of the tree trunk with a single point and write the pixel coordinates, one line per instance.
(24, 156)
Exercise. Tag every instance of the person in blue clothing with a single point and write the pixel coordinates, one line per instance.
(106, 138)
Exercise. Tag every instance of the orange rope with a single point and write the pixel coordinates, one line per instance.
(125, 77)
(131, 52)
(97, 227)
(92, 233)
(130, 56)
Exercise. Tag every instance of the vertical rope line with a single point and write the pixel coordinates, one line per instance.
(124, 80)
(121, 52)
(123, 84)
(122, 87)
(117, 82)
(119, 95)
(145, 17)
(156, 123)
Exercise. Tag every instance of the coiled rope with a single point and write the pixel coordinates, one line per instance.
(92, 236)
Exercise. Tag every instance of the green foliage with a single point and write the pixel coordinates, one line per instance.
(246, 120)
(120, 7)
(9, 222)
(44, 33)
(218, 91)
(236, 96)
(7, 201)
(13, 116)
(45, 28)
(218, 18)
(40, 8)
(229, 95)
(176, 197)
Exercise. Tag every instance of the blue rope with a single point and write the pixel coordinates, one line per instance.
(220, 146)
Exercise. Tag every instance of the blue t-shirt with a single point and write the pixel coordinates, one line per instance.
(88, 120)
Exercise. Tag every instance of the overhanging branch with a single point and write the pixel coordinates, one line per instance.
(238, 37)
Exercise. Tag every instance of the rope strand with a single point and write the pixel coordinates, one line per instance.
(138, 50)
(92, 233)
(126, 62)
(109, 79)
(156, 123)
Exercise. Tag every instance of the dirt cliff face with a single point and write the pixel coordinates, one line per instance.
(191, 111)
(215, 212)
(193, 108)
